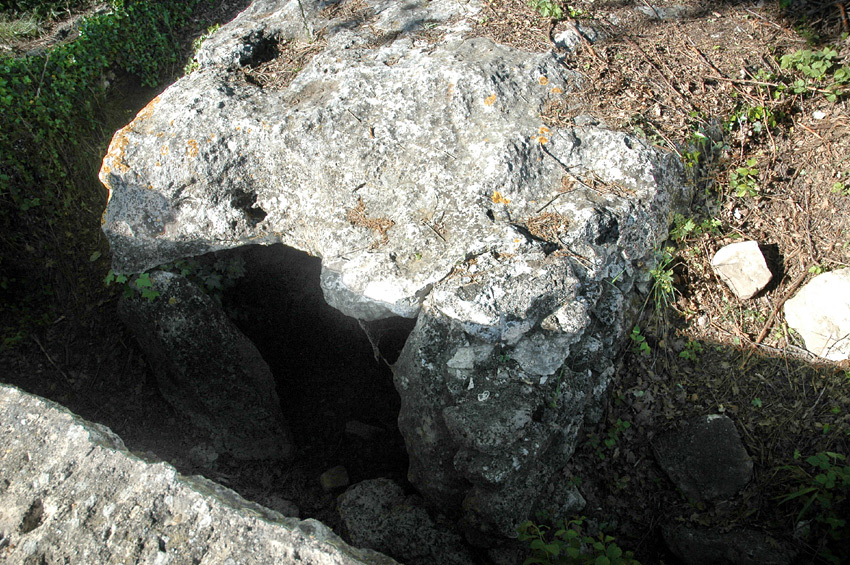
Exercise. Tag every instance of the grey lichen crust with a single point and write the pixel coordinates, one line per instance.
(71, 493)
(413, 160)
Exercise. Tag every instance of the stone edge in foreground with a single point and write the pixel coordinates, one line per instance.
(70, 492)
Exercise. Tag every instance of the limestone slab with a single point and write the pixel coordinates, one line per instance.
(71, 493)
(705, 459)
(820, 312)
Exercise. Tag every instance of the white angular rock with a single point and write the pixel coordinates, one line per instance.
(742, 267)
(571, 38)
(820, 312)
(71, 493)
(413, 160)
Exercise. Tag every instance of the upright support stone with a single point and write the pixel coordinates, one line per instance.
(207, 369)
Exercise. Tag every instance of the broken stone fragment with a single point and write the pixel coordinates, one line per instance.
(663, 13)
(363, 431)
(743, 268)
(705, 459)
(820, 312)
(571, 38)
(378, 515)
(207, 370)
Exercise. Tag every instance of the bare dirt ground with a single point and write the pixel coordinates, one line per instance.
(673, 72)
(707, 84)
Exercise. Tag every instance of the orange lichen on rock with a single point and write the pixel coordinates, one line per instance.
(499, 199)
(114, 159)
(192, 148)
(544, 80)
(490, 100)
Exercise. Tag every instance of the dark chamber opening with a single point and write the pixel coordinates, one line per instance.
(324, 364)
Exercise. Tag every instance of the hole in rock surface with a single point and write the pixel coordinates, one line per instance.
(263, 48)
(338, 399)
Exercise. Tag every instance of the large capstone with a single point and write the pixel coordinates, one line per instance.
(411, 157)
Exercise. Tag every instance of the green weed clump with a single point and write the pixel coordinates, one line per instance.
(744, 180)
(823, 490)
(51, 144)
(822, 72)
(568, 543)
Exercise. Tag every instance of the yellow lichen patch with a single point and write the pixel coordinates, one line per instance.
(192, 148)
(499, 199)
(490, 100)
(163, 150)
(542, 140)
(158, 164)
(543, 130)
(544, 80)
(556, 90)
(160, 134)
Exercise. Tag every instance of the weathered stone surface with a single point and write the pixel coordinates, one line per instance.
(71, 493)
(706, 459)
(701, 546)
(378, 515)
(415, 163)
(820, 312)
(743, 268)
(207, 369)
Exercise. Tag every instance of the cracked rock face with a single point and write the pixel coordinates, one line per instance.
(411, 157)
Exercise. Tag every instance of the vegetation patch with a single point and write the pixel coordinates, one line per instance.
(357, 217)
(548, 226)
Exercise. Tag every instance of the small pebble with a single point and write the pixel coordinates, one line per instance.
(334, 478)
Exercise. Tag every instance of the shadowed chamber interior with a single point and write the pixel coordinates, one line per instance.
(324, 364)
